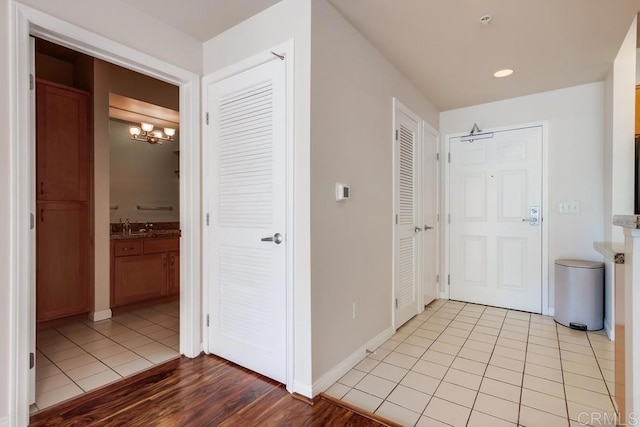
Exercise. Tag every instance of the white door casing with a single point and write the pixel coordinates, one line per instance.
(430, 214)
(495, 251)
(27, 21)
(248, 210)
(408, 225)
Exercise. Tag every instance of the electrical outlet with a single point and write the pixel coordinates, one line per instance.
(355, 309)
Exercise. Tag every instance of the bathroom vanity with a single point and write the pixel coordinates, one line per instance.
(145, 267)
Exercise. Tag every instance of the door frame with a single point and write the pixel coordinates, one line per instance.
(26, 21)
(397, 105)
(428, 129)
(446, 237)
(285, 49)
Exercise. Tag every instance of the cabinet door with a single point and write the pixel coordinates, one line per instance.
(174, 273)
(62, 260)
(138, 278)
(62, 143)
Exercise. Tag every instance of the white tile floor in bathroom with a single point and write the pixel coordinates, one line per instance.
(471, 365)
(84, 355)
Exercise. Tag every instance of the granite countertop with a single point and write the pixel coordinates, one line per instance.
(146, 234)
(612, 251)
(628, 221)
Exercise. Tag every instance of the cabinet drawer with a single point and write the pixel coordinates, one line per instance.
(154, 246)
(127, 248)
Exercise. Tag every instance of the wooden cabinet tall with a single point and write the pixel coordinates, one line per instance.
(63, 167)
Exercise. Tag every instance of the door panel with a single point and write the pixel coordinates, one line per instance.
(496, 254)
(62, 275)
(248, 205)
(407, 231)
(430, 192)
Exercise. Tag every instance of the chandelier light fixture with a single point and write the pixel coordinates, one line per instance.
(146, 133)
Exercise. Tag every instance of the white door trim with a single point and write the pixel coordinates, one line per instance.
(26, 21)
(287, 50)
(445, 289)
(419, 144)
(428, 129)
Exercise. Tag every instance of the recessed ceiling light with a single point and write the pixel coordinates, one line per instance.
(503, 73)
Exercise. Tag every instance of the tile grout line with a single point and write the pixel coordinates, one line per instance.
(613, 404)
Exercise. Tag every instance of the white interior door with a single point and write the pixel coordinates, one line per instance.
(495, 249)
(430, 192)
(248, 219)
(408, 222)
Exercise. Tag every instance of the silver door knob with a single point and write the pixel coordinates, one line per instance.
(276, 238)
(417, 229)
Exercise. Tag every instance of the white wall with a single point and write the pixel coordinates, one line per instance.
(575, 118)
(619, 148)
(124, 24)
(287, 20)
(352, 87)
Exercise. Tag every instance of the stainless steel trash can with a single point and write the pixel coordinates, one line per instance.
(579, 294)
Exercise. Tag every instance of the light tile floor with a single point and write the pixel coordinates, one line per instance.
(84, 355)
(470, 365)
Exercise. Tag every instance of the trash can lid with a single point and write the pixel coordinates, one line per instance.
(579, 263)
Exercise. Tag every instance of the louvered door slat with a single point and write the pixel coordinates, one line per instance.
(241, 117)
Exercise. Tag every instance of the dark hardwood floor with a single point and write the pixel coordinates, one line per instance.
(205, 391)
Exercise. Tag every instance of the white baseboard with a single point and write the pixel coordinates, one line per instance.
(352, 360)
(551, 312)
(97, 316)
(610, 331)
(4, 422)
(443, 295)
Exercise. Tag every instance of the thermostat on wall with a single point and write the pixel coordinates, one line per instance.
(342, 191)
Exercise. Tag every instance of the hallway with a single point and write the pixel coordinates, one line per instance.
(470, 365)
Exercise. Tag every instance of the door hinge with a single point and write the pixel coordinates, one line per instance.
(396, 134)
(207, 320)
(449, 218)
(396, 219)
(437, 217)
(449, 156)
(437, 157)
(32, 221)
(437, 278)
(207, 218)
(207, 118)
(448, 279)
(31, 82)
(396, 303)
(32, 360)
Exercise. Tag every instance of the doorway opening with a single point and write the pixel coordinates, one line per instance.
(92, 328)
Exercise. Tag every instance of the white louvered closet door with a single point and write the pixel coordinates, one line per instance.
(408, 232)
(247, 219)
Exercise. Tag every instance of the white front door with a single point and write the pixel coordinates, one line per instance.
(247, 205)
(408, 222)
(430, 185)
(495, 247)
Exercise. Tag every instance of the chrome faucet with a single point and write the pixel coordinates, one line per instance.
(126, 228)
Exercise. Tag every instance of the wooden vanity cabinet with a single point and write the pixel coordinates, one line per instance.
(144, 269)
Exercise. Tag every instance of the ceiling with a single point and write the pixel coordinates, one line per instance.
(441, 46)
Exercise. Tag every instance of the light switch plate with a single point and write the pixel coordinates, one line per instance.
(569, 208)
